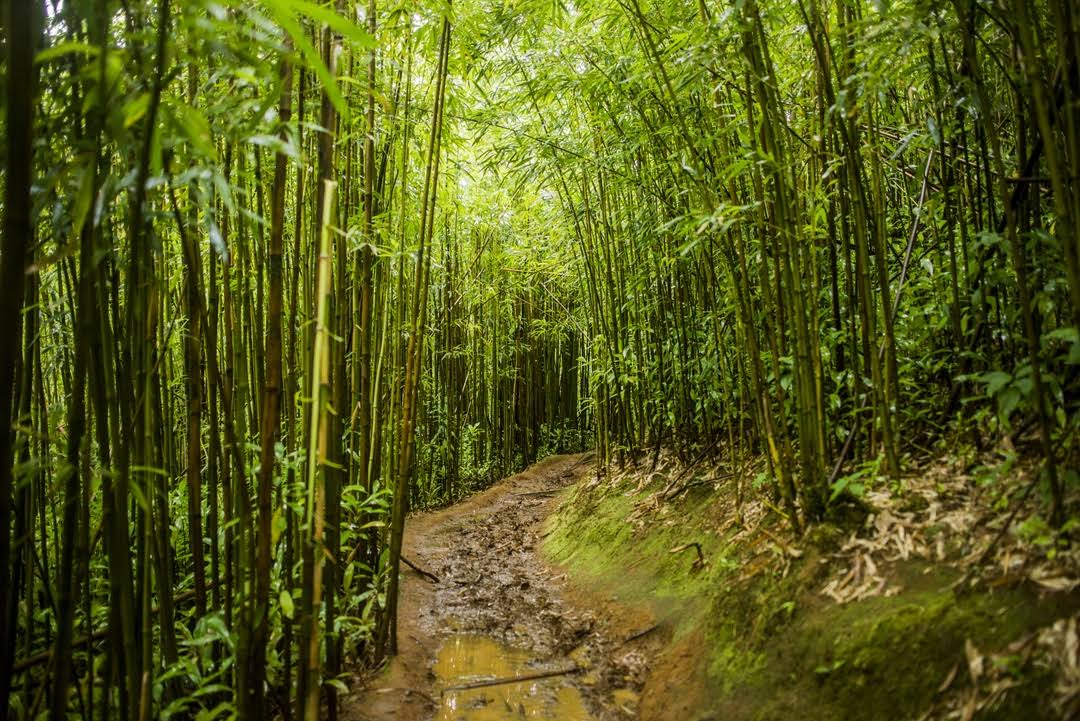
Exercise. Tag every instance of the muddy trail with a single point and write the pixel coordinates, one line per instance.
(501, 634)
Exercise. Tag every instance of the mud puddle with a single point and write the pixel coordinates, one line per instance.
(498, 612)
(475, 676)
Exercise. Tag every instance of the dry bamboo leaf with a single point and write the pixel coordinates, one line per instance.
(975, 660)
(949, 678)
(1055, 583)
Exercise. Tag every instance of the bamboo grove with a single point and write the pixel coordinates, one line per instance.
(250, 324)
(836, 235)
(274, 272)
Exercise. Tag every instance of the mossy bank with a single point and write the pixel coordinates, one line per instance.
(749, 634)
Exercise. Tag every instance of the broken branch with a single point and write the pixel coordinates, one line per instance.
(514, 679)
(700, 562)
(426, 574)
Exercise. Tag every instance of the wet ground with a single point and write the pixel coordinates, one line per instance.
(481, 679)
(501, 635)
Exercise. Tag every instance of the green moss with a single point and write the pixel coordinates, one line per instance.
(731, 666)
(775, 648)
(593, 537)
(885, 657)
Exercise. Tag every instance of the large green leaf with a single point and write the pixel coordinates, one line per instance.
(285, 13)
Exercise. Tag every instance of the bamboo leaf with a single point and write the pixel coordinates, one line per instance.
(59, 50)
(283, 12)
(286, 601)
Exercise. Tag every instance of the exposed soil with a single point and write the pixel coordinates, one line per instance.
(499, 612)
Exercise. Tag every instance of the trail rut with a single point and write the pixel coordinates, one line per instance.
(499, 612)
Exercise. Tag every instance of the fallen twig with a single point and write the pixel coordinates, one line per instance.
(426, 574)
(551, 492)
(514, 679)
(588, 457)
(673, 493)
(974, 567)
(643, 632)
(693, 464)
(700, 562)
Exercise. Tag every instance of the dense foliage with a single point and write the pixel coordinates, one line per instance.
(274, 271)
(825, 231)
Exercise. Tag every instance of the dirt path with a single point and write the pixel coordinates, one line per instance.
(498, 611)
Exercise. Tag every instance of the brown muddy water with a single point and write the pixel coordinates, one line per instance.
(470, 659)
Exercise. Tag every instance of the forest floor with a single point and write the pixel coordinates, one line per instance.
(658, 593)
(498, 611)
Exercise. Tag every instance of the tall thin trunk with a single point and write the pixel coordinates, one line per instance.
(22, 24)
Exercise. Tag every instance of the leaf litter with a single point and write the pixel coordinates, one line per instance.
(944, 515)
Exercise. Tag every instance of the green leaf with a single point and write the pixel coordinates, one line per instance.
(217, 241)
(225, 708)
(995, 381)
(213, 688)
(62, 49)
(135, 109)
(1008, 401)
(274, 143)
(825, 669)
(350, 571)
(196, 127)
(277, 527)
(287, 607)
(282, 11)
(329, 17)
(688, 247)
(83, 198)
(337, 684)
(935, 131)
(1067, 334)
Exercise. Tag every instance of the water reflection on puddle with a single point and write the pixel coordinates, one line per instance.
(468, 659)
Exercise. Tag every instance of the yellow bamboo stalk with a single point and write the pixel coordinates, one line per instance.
(317, 443)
